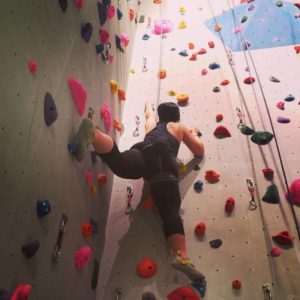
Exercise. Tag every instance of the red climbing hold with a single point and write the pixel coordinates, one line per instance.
(211, 44)
(221, 132)
(183, 292)
(79, 4)
(79, 94)
(104, 36)
(193, 57)
(268, 173)
(249, 80)
(295, 191)
(32, 65)
(211, 176)
(101, 178)
(219, 117)
(229, 206)
(202, 51)
(146, 268)
(225, 82)
(283, 238)
(280, 105)
(275, 251)
(200, 229)
(297, 5)
(21, 292)
(87, 229)
(131, 14)
(236, 284)
(297, 49)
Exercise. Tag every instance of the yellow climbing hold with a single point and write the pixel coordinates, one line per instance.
(113, 86)
(132, 70)
(218, 27)
(182, 10)
(172, 93)
(182, 25)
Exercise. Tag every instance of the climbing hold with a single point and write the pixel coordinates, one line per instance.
(99, 48)
(200, 229)
(86, 229)
(272, 194)
(289, 98)
(279, 3)
(124, 39)
(196, 168)
(63, 5)
(119, 14)
(217, 27)
(121, 95)
(105, 114)
(21, 292)
(131, 14)
(281, 119)
(244, 19)
(262, 137)
(198, 185)
(157, 1)
(118, 44)
(79, 4)
(183, 53)
(162, 26)
(247, 69)
(221, 132)
(104, 36)
(216, 89)
(32, 65)
(89, 178)
(274, 79)
(214, 66)
(113, 86)
(106, 3)
(203, 72)
(172, 93)
(225, 82)
(215, 243)
(294, 191)
(132, 70)
(229, 206)
(268, 173)
(193, 57)
(219, 117)
(31, 248)
(172, 49)
(183, 292)
(43, 207)
(82, 257)
(275, 251)
(148, 296)
(93, 191)
(297, 5)
(182, 10)
(283, 238)
(297, 49)
(182, 25)
(50, 112)
(237, 30)
(202, 51)
(247, 130)
(211, 44)
(111, 11)
(86, 31)
(146, 37)
(101, 178)
(79, 94)
(251, 7)
(249, 80)
(4, 295)
(211, 176)
(280, 105)
(148, 202)
(146, 268)
(118, 126)
(200, 286)
(162, 74)
(236, 284)
(191, 46)
(94, 224)
(183, 98)
(102, 13)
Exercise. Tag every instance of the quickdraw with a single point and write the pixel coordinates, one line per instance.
(252, 202)
(136, 131)
(57, 248)
(129, 209)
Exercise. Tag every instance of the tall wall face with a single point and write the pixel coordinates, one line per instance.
(246, 234)
(35, 162)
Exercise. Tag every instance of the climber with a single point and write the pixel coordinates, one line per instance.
(153, 159)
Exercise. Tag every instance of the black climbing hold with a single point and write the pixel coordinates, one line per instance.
(4, 295)
(43, 207)
(118, 43)
(31, 248)
(148, 296)
(63, 5)
(95, 274)
(262, 137)
(272, 194)
(215, 243)
(196, 167)
(102, 13)
(50, 112)
(99, 48)
(106, 3)
(247, 130)
(94, 224)
(119, 14)
(86, 31)
(200, 286)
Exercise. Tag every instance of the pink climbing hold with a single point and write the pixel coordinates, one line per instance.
(162, 26)
(295, 191)
(32, 65)
(211, 44)
(82, 257)
(203, 72)
(104, 36)
(21, 292)
(79, 94)
(280, 105)
(106, 116)
(79, 4)
(202, 51)
(275, 251)
(89, 177)
(111, 11)
(124, 39)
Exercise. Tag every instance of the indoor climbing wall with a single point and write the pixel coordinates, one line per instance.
(238, 65)
(57, 61)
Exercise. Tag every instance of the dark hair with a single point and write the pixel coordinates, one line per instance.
(168, 112)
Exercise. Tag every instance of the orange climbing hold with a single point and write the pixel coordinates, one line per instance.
(101, 178)
(162, 74)
(146, 268)
(219, 117)
(121, 95)
(183, 98)
(212, 176)
(217, 27)
(191, 46)
(93, 191)
(225, 82)
(193, 57)
(117, 126)
(157, 1)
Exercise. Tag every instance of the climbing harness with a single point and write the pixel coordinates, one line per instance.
(129, 209)
(105, 56)
(118, 294)
(136, 131)
(57, 248)
(252, 202)
(267, 292)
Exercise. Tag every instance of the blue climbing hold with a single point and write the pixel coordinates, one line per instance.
(289, 98)
(146, 37)
(200, 286)
(183, 53)
(119, 14)
(214, 66)
(43, 207)
(198, 185)
(99, 48)
(73, 147)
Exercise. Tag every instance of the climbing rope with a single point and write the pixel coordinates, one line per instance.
(231, 63)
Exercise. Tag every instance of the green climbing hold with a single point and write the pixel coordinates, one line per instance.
(279, 3)
(247, 130)
(274, 79)
(262, 137)
(216, 89)
(244, 19)
(272, 194)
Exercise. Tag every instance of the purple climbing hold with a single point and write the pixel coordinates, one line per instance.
(50, 111)
(102, 13)
(251, 7)
(63, 5)
(31, 248)
(99, 48)
(86, 31)
(281, 119)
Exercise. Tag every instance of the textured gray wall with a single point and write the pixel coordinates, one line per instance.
(35, 161)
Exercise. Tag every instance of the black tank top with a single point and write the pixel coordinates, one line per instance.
(161, 131)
